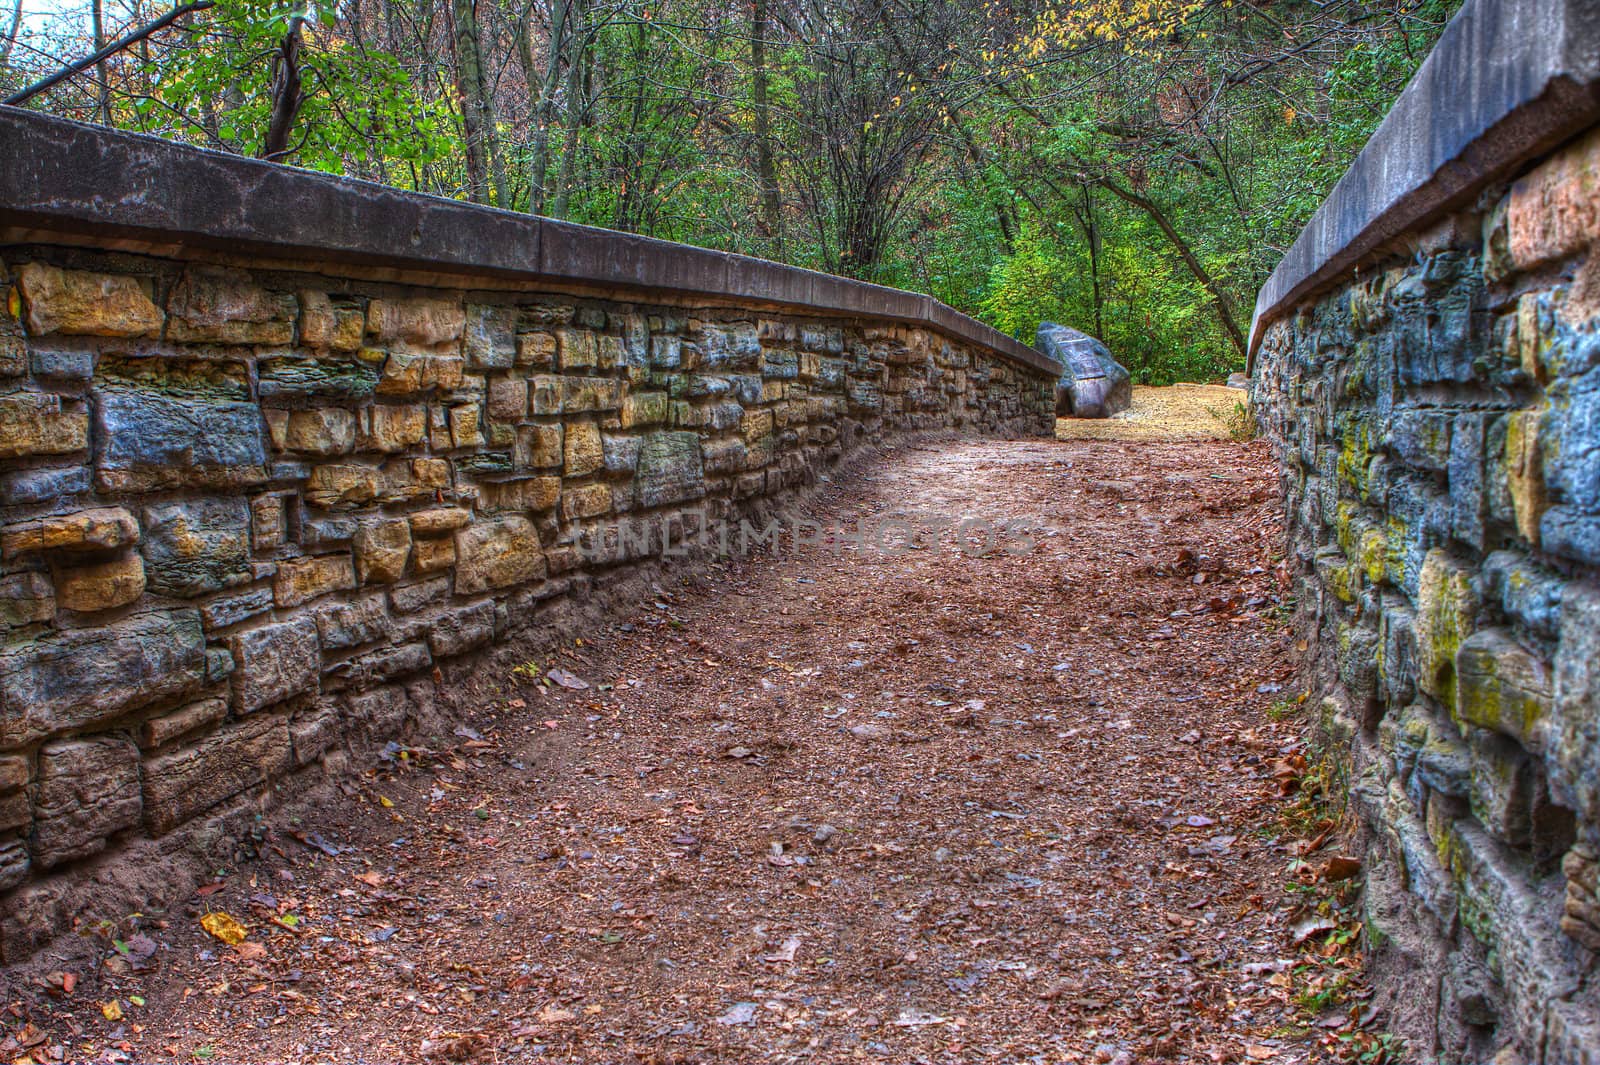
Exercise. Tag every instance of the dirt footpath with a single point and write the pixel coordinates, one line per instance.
(1009, 804)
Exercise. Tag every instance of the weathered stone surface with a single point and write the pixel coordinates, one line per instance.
(102, 528)
(353, 624)
(39, 423)
(185, 783)
(536, 351)
(42, 485)
(382, 550)
(497, 554)
(25, 599)
(395, 428)
(585, 501)
(420, 322)
(1094, 385)
(88, 790)
(669, 469)
(491, 340)
(327, 378)
(101, 585)
(1447, 608)
(439, 521)
(540, 447)
(581, 450)
(160, 731)
(79, 301)
(225, 306)
(458, 631)
(300, 580)
(199, 546)
(433, 555)
(275, 662)
(508, 398)
(345, 485)
(145, 441)
(1555, 210)
(75, 678)
(322, 325)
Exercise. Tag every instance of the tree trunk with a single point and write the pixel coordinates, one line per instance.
(475, 117)
(102, 104)
(576, 54)
(766, 169)
(1219, 299)
(544, 107)
(10, 41)
(286, 93)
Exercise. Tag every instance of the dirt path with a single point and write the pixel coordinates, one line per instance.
(849, 804)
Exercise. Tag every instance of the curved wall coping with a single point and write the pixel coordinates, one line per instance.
(1509, 81)
(59, 176)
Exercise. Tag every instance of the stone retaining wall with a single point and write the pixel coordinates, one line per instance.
(1436, 407)
(248, 513)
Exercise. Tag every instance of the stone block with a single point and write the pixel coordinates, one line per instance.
(458, 631)
(394, 428)
(99, 529)
(275, 662)
(382, 712)
(508, 398)
(283, 377)
(536, 351)
(198, 546)
(83, 302)
(497, 554)
(185, 783)
(407, 373)
(410, 598)
(576, 349)
(26, 599)
(223, 306)
(382, 550)
(723, 456)
(580, 394)
(419, 322)
(544, 394)
(581, 450)
(539, 447)
(341, 626)
(341, 485)
(101, 585)
(1524, 472)
(88, 790)
(620, 454)
(43, 485)
(433, 556)
(1504, 687)
(76, 678)
(1575, 736)
(268, 526)
(439, 521)
(585, 501)
(1569, 533)
(756, 424)
(299, 580)
(466, 426)
(491, 340)
(160, 731)
(670, 469)
(37, 423)
(14, 868)
(63, 365)
(1554, 211)
(642, 409)
(324, 326)
(147, 441)
(1447, 611)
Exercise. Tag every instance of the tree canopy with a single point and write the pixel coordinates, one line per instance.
(1132, 168)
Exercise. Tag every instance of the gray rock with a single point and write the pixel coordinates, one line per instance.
(14, 863)
(43, 486)
(72, 679)
(330, 378)
(1093, 384)
(457, 631)
(196, 546)
(146, 441)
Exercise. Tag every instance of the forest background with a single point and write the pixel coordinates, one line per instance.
(1132, 168)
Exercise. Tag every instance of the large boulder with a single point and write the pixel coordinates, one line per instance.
(1093, 384)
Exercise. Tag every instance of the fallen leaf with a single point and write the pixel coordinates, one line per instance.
(112, 1011)
(567, 680)
(1341, 868)
(225, 927)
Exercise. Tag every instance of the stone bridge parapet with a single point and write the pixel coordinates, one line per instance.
(278, 450)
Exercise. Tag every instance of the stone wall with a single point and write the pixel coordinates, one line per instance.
(247, 515)
(1437, 413)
